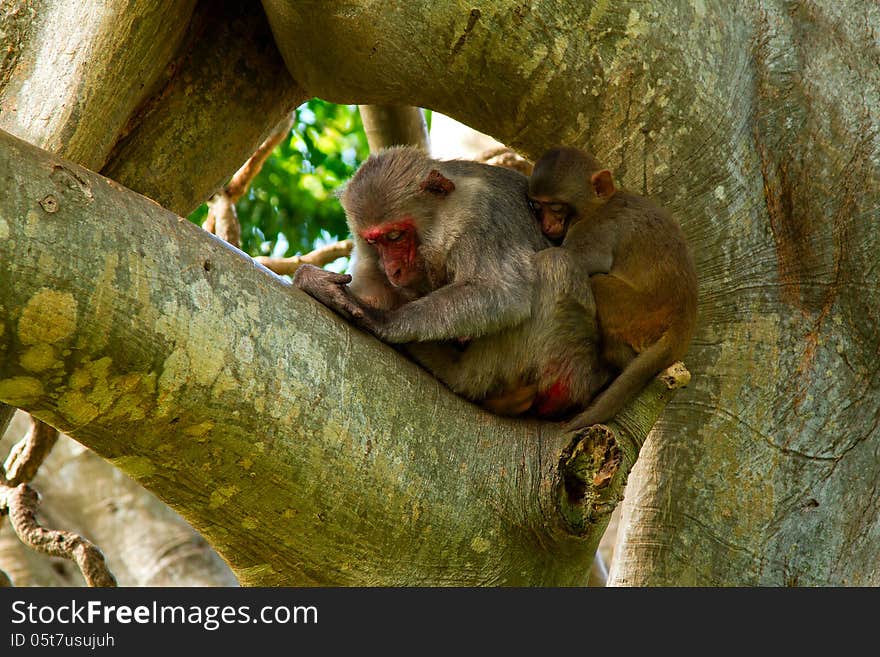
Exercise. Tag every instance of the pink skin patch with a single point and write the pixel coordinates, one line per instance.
(378, 233)
(554, 399)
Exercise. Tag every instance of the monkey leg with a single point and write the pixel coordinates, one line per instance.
(566, 334)
(629, 320)
(637, 338)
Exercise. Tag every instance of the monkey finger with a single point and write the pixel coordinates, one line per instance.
(304, 275)
(308, 277)
(514, 401)
(338, 279)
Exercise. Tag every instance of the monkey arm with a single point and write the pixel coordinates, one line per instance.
(466, 309)
(592, 246)
(463, 309)
(597, 262)
(560, 273)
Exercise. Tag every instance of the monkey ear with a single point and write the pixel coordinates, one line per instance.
(437, 184)
(603, 183)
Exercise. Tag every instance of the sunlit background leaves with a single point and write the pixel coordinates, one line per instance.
(291, 206)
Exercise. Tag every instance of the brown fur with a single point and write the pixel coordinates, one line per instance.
(642, 275)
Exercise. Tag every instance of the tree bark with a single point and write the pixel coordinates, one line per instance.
(394, 125)
(757, 125)
(145, 542)
(165, 99)
(258, 414)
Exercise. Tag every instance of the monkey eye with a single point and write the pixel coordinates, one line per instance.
(370, 241)
(393, 235)
(534, 206)
(557, 207)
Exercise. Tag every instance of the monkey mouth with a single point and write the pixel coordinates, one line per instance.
(554, 232)
(402, 280)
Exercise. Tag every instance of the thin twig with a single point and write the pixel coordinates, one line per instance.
(318, 257)
(22, 502)
(28, 454)
(222, 219)
(243, 178)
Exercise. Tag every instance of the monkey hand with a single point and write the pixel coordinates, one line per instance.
(330, 289)
(512, 401)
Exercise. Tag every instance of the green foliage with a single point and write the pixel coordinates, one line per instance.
(291, 204)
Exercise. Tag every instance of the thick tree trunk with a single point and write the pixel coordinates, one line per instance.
(165, 99)
(757, 124)
(259, 415)
(170, 100)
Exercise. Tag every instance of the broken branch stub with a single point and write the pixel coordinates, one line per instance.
(594, 467)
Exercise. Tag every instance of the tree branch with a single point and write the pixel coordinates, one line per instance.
(243, 178)
(222, 219)
(379, 474)
(394, 125)
(6, 413)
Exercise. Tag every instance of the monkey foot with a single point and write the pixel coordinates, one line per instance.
(513, 401)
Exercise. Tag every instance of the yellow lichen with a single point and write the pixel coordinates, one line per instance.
(20, 390)
(175, 374)
(38, 358)
(222, 495)
(76, 407)
(480, 545)
(255, 573)
(100, 307)
(32, 223)
(138, 467)
(600, 8)
(636, 26)
(49, 316)
(199, 430)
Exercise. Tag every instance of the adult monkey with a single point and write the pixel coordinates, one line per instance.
(641, 272)
(448, 252)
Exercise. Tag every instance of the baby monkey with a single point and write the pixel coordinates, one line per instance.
(642, 275)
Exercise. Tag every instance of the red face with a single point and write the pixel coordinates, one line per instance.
(553, 216)
(397, 243)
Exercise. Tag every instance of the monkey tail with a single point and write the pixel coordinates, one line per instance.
(630, 381)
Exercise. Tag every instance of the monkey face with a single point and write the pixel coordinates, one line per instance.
(396, 244)
(553, 215)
